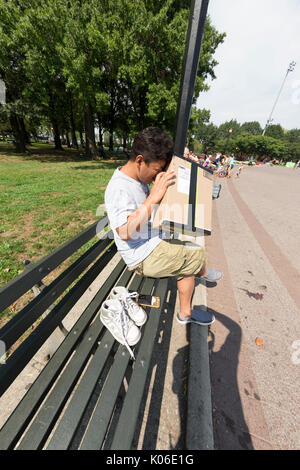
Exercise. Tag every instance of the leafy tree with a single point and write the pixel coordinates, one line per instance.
(153, 60)
(202, 130)
(114, 62)
(199, 117)
(12, 70)
(293, 136)
(227, 126)
(259, 146)
(275, 131)
(252, 127)
(293, 152)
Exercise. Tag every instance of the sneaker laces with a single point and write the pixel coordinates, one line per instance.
(129, 302)
(124, 320)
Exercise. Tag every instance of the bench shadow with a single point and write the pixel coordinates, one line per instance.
(146, 434)
(230, 428)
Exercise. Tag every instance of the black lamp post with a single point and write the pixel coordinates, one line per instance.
(198, 13)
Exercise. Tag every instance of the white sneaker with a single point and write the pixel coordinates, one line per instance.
(136, 313)
(114, 317)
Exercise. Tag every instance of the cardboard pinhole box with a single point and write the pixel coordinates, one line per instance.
(187, 205)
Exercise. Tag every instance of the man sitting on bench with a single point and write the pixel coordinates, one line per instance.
(129, 204)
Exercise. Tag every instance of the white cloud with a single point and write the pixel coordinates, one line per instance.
(263, 37)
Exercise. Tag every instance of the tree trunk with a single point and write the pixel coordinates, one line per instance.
(111, 140)
(124, 144)
(81, 138)
(52, 113)
(73, 130)
(111, 123)
(57, 140)
(100, 130)
(24, 131)
(142, 107)
(19, 140)
(68, 140)
(90, 145)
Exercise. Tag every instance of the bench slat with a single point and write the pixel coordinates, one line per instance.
(20, 418)
(14, 289)
(127, 422)
(29, 314)
(101, 417)
(40, 428)
(65, 432)
(68, 424)
(14, 365)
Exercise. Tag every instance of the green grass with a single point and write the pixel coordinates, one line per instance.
(46, 198)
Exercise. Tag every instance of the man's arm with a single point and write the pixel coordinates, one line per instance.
(138, 218)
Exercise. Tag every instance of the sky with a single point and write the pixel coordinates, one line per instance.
(263, 38)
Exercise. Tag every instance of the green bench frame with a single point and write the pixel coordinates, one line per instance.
(60, 411)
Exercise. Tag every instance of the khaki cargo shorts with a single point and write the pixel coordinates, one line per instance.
(173, 258)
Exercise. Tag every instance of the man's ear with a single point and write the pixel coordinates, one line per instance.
(139, 159)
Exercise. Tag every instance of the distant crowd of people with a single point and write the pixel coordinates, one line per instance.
(222, 165)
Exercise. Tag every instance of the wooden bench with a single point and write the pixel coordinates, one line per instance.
(89, 393)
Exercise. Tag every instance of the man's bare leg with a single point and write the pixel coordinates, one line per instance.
(185, 291)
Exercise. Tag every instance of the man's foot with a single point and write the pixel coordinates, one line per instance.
(201, 317)
(213, 275)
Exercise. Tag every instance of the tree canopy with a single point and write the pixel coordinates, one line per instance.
(245, 139)
(111, 63)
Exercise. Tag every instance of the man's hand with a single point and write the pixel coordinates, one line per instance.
(138, 219)
(160, 186)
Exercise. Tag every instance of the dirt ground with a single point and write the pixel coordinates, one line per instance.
(255, 342)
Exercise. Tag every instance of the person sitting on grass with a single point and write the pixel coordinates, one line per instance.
(130, 204)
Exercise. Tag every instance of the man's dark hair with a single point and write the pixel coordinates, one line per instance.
(153, 144)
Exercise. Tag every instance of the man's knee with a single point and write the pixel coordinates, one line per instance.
(203, 270)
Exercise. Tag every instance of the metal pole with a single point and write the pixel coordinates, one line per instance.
(290, 69)
(198, 13)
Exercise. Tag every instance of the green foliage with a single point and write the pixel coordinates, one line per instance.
(253, 128)
(293, 136)
(202, 130)
(260, 146)
(245, 139)
(233, 126)
(275, 131)
(67, 64)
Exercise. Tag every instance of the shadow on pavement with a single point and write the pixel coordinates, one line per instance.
(230, 429)
(158, 368)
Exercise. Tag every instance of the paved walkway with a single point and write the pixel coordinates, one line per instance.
(254, 344)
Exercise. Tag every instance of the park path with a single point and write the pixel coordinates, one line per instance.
(255, 341)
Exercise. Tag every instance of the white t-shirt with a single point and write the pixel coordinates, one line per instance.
(123, 196)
